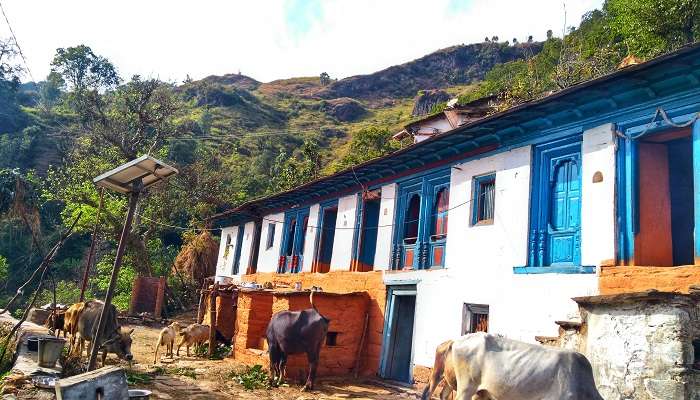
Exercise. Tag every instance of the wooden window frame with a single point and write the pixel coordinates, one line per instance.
(468, 312)
(477, 198)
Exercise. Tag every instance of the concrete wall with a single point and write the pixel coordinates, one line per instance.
(224, 263)
(344, 233)
(310, 240)
(598, 205)
(246, 247)
(268, 258)
(385, 231)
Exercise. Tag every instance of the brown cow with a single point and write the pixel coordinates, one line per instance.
(113, 339)
(443, 371)
(70, 323)
(56, 323)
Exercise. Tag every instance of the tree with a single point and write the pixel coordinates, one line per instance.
(550, 34)
(529, 39)
(651, 27)
(366, 144)
(12, 118)
(494, 38)
(50, 90)
(83, 70)
(290, 172)
(325, 79)
(486, 39)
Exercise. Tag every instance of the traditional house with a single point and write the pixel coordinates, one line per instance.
(497, 223)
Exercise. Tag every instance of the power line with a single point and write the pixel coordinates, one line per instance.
(14, 37)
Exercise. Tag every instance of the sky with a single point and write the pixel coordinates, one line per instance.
(272, 39)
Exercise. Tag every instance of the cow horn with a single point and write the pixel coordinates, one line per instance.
(311, 300)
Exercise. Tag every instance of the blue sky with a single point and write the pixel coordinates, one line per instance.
(272, 39)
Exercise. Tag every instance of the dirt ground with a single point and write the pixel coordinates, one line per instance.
(197, 378)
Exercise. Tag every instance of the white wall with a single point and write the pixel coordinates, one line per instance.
(310, 240)
(269, 258)
(479, 265)
(344, 231)
(246, 247)
(598, 202)
(504, 243)
(224, 263)
(385, 231)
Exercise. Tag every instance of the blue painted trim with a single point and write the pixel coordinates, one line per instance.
(359, 210)
(237, 255)
(554, 270)
(696, 185)
(389, 320)
(477, 194)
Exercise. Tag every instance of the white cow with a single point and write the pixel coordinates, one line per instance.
(492, 367)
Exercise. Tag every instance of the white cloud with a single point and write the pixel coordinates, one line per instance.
(169, 39)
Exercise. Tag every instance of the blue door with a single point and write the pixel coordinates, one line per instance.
(555, 236)
(397, 346)
(563, 227)
(295, 224)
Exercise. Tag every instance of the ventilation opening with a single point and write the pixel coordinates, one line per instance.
(696, 353)
(332, 339)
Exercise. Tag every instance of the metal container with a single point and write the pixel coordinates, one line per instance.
(50, 349)
(139, 394)
(33, 343)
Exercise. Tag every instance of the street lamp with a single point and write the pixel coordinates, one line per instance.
(130, 178)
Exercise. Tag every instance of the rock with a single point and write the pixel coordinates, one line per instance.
(344, 109)
(427, 99)
(38, 316)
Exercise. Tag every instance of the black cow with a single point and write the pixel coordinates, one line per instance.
(294, 332)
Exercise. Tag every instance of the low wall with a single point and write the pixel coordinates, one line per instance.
(342, 282)
(616, 280)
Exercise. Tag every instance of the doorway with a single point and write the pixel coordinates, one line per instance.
(367, 241)
(397, 357)
(666, 217)
(326, 237)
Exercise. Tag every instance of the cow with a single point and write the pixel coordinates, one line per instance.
(443, 371)
(294, 332)
(196, 335)
(487, 366)
(167, 339)
(56, 323)
(114, 339)
(70, 322)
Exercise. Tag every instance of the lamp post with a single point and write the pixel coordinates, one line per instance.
(130, 178)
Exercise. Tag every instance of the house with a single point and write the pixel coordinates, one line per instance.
(497, 223)
(452, 117)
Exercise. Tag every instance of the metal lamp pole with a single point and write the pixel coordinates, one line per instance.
(133, 199)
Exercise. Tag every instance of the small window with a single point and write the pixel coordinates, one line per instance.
(696, 354)
(332, 339)
(270, 236)
(228, 245)
(484, 199)
(475, 318)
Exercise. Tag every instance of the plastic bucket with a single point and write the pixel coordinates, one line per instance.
(49, 350)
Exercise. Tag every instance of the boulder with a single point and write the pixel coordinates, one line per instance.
(344, 109)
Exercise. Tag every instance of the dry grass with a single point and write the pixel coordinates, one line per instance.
(197, 258)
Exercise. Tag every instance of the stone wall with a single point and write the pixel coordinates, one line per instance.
(640, 345)
(614, 280)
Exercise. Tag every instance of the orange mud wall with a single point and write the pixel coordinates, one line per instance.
(653, 244)
(616, 280)
(339, 282)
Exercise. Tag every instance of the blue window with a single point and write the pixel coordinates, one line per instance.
(270, 236)
(484, 199)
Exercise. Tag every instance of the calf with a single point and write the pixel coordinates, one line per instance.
(56, 323)
(70, 322)
(113, 340)
(443, 371)
(493, 367)
(167, 339)
(293, 332)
